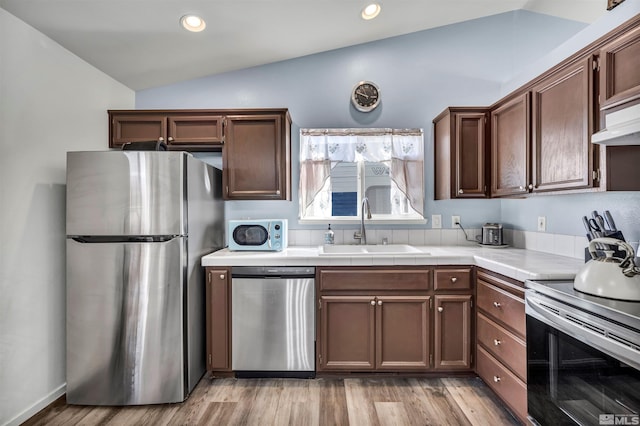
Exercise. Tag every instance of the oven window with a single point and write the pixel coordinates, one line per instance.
(250, 235)
(569, 382)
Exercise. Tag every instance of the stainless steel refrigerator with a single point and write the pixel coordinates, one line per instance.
(138, 223)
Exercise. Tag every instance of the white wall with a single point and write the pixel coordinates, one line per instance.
(50, 102)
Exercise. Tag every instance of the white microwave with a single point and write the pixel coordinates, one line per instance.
(258, 235)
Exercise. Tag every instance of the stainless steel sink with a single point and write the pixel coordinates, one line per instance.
(369, 250)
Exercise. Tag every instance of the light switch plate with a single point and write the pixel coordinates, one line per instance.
(436, 221)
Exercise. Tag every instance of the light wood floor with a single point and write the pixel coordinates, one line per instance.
(326, 401)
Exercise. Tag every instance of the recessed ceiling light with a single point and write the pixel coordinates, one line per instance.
(193, 23)
(371, 11)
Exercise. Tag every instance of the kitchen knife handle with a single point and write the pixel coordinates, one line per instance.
(610, 222)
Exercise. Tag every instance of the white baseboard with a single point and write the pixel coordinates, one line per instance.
(37, 406)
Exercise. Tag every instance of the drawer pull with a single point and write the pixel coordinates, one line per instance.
(497, 342)
(497, 304)
(440, 309)
(454, 279)
(496, 379)
(222, 276)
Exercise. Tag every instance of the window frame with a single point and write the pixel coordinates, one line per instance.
(415, 218)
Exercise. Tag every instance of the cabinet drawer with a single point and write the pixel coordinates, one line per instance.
(502, 306)
(508, 387)
(375, 279)
(503, 345)
(452, 279)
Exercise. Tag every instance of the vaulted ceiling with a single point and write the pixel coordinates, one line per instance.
(141, 44)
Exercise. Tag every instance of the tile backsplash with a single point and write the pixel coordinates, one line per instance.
(560, 244)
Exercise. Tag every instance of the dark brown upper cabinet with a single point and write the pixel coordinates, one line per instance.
(181, 130)
(562, 112)
(256, 156)
(255, 144)
(540, 134)
(541, 140)
(460, 153)
(511, 147)
(620, 70)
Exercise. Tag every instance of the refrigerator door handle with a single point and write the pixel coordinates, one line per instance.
(124, 239)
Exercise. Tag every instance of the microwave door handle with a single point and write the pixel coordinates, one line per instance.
(269, 235)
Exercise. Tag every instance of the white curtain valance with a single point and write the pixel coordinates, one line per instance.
(349, 145)
(401, 149)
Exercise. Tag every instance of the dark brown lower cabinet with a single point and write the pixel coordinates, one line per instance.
(385, 319)
(347, 330)
(402, 332)
(501, 341)
(452, 326)
(218, 319)
(374, 333)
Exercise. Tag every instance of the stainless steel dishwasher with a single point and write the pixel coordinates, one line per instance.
(273, 321)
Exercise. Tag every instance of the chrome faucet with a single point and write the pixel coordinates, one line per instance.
(362, 235)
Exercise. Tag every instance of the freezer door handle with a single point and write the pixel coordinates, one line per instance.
(123, 238)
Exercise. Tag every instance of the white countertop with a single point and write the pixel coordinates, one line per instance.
(519, 264)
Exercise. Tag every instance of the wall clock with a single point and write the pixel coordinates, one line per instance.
(365, 96)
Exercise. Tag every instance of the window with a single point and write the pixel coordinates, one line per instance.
(340, 167)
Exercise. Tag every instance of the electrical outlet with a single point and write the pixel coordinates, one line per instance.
(542, 223)
(455, 221)
(436, 221)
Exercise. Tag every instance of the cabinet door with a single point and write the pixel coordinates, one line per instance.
(346, 332)
(402, 332)
(510, 147)
(217, 319)
(198, 130)
(562, 155)
(452, 325)
(619, 65)
(469, 155)
(256, 157)
(136, 128)
(459, 152)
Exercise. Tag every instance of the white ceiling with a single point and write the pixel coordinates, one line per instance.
(140, 42)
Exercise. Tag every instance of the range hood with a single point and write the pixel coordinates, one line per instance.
(622, 128)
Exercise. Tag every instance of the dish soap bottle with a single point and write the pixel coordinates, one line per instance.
(328, 236)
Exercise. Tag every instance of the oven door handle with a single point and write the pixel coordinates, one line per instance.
(610, 346)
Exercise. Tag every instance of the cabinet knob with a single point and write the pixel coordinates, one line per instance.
(160, 139)
(460, 191)
(170, 138)
(497, 304)
(440, 309)
(454, 279)
(373, 303)
(496, 379)
(497, 342)
(521, 188)
(379, 302)
(222, 276)
(530, 186)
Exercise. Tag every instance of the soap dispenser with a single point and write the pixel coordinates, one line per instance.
(328, 236)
